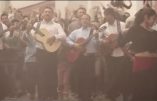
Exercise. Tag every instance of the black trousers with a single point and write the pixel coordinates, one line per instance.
(3, 83)
(7, 73)
(47, 74)
(119, 76)
(84, 77)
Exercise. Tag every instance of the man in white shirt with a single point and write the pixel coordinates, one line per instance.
(3, 76)
(117, 61)
(5, 65)
(5, 20)
(47, 61)
(4, 31)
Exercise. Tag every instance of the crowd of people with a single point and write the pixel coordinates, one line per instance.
(50, 58)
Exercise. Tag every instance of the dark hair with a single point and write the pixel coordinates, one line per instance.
(139, 16)
(14, 20)
(47, 7)
(81, 8)
(4, 14)
(109, 11)
(121, 16)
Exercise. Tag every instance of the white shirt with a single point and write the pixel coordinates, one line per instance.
(4, 35)
(53, 28)
(154, 27)
(91, 46)
(112, 29)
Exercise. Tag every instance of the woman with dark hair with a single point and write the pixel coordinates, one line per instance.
(144, 57)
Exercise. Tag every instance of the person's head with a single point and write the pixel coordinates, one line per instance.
(4, 18)
(109, 15)
(25, 21)
(19, 15)
(145, 16)
(85, 20)
(25, 17)
(47, 13)
(100, 18)
(80, 11)
(15, 23)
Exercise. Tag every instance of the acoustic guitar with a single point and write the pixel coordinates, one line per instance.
(74, 53)
(110, 44)
(4, 31)
(42, 35)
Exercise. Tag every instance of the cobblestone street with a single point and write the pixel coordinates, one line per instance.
(71, 98)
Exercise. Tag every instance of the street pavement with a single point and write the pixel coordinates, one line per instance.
(26, 98)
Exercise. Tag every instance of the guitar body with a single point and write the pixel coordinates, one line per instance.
(43, 37)
(107, 48)
(73, 54)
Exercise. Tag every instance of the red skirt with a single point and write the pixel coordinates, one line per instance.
(144, 63)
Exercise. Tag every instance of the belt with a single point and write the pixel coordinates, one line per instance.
(146, 54)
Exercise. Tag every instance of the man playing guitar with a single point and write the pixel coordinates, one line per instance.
(47, 61)
(117, 62)
(84, 66)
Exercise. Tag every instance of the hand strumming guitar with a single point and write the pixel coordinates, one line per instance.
(51, 40)
(79, 44)
(110, 38)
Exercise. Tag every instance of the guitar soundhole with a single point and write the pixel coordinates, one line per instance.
(50, 44)
(42, 35)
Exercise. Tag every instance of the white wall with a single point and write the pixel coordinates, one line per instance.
(60, 5)
(20, 4)
(3, 5)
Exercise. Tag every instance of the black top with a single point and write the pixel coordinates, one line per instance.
(142, 39)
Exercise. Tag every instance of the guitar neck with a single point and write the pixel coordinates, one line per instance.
(89, 38)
